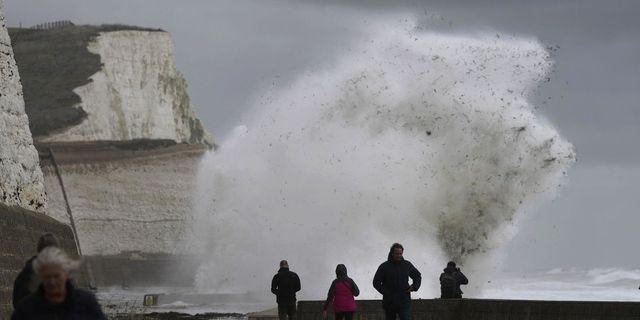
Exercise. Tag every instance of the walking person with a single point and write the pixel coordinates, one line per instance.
(342, 294)
(27, 281)
(284, 285)
(56, 297)
(392, 281)
(450, 281)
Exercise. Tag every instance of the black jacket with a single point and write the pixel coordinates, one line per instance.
(24, 284)
(392, 281)
(460, 279)
(284, 285)
(78, 305)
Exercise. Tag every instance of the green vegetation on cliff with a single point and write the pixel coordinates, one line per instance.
(52, 63)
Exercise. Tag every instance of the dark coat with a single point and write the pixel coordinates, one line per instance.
(25, 283)
(284, 285)
(392, 281)
(78, 305)
(460, 279)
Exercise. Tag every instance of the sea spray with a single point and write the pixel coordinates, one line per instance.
(421, 138)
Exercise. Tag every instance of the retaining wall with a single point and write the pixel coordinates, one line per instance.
(20, 230)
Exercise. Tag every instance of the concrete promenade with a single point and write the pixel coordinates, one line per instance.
(486, 309)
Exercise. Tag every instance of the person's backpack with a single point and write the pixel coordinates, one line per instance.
(448, 285)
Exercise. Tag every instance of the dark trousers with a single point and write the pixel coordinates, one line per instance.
(391, 312)
(285, 310)
(344, 315)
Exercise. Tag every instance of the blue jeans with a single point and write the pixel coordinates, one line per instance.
(391, 312)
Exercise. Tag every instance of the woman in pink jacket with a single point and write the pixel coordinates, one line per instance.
(342, 292)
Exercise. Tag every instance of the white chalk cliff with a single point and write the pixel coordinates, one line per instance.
(116, 132)
(21, 181)
(138, 93)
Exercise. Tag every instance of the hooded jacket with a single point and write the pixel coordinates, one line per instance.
(460, 279)
(342, 292)
(284, 285)
(392, 281)
(78, 305)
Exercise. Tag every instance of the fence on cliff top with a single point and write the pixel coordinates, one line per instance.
(53, 25)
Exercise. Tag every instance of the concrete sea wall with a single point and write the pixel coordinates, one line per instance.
(485, 309)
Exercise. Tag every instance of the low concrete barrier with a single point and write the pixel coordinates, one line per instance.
(20, 230)
(486, 309)
(270, 314)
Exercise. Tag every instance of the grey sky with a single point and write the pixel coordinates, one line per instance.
(231, 51)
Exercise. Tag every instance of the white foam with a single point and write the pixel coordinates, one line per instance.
(422, 138)
(572, 284)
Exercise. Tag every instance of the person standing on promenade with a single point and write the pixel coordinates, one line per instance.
(341, 293)
(284, 285)
(392, 281)
(450, 281)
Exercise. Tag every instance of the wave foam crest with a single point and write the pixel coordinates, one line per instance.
(422, 138)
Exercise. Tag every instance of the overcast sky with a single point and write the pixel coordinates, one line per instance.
(231, 51)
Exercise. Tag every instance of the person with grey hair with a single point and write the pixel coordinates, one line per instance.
(56, 297)
(27, 282)
(284, 285)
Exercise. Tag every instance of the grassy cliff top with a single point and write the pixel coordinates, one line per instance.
(53, 62)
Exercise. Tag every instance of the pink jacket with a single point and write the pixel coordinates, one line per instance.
(344, 300)
(342, 293)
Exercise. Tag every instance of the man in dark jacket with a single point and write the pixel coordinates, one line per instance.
(284, 285)
(78, 304)
(392, 281)
(450, 281)
(56, 298)
(27, 282)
